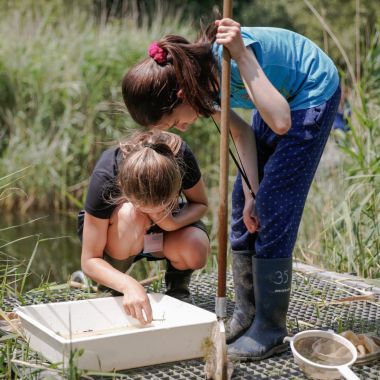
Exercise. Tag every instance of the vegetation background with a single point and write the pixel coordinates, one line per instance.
(61, 64)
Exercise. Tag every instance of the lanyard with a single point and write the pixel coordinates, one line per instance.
(239, 163)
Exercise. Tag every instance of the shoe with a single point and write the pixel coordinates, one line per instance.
(272, 282)
(79, 277)
(178, 282)
(244, 310)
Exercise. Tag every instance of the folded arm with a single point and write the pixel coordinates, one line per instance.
(245, 142)
(194, 209)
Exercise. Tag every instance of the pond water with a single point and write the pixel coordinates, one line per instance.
(57, 248)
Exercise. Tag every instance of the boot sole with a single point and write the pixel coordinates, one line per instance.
(247, 358)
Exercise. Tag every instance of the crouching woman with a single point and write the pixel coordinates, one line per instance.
(132, 211)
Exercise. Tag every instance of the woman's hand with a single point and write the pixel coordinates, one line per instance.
(136, 302)
(228, 35)
(250, 218)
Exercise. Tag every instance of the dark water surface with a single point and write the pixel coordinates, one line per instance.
(57, 247)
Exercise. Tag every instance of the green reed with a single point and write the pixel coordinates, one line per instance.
(341, 225)
(60, 73)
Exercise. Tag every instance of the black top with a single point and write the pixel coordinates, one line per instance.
(103, 187)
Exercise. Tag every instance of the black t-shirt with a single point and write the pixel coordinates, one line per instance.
(103, 187)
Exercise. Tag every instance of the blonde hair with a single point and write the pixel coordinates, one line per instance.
(150, 173)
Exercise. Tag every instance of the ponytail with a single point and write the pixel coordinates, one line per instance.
(150, 173)
(150, 88)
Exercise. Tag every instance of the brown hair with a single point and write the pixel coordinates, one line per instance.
(150, 88)
(150, 173)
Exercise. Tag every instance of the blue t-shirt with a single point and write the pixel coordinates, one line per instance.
(296, 66)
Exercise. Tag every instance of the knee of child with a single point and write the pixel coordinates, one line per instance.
(197, 254)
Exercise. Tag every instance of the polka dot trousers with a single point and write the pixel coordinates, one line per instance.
(287, 165)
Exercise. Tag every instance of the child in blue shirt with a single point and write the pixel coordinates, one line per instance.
(292, 86)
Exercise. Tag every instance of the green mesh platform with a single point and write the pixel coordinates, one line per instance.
(313, 305)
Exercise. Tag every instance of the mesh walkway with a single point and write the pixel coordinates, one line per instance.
(319, 300)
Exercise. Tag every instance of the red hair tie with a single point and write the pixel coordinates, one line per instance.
(157, 53)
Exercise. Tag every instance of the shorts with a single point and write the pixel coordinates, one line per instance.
(149, 256)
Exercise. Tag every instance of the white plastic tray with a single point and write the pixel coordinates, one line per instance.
(112, 340)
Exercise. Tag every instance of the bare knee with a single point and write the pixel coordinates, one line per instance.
(196, 253)
(187, 248)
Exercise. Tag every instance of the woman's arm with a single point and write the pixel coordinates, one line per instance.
(273, 107)
(245, 142)
(94, 241)
(195, 208)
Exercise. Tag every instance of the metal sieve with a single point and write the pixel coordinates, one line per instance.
(323, 354)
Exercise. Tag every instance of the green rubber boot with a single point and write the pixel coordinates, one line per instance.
(178, 282)
(264, 338)
(244, 310)
(122, 266)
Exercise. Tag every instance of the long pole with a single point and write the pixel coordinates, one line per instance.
(220, 302)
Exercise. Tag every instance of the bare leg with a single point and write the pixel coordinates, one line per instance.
(187, 248)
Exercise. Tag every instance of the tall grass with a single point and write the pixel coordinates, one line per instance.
(60, 106)
(16, 359)
(341, 226)
(63, 70)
